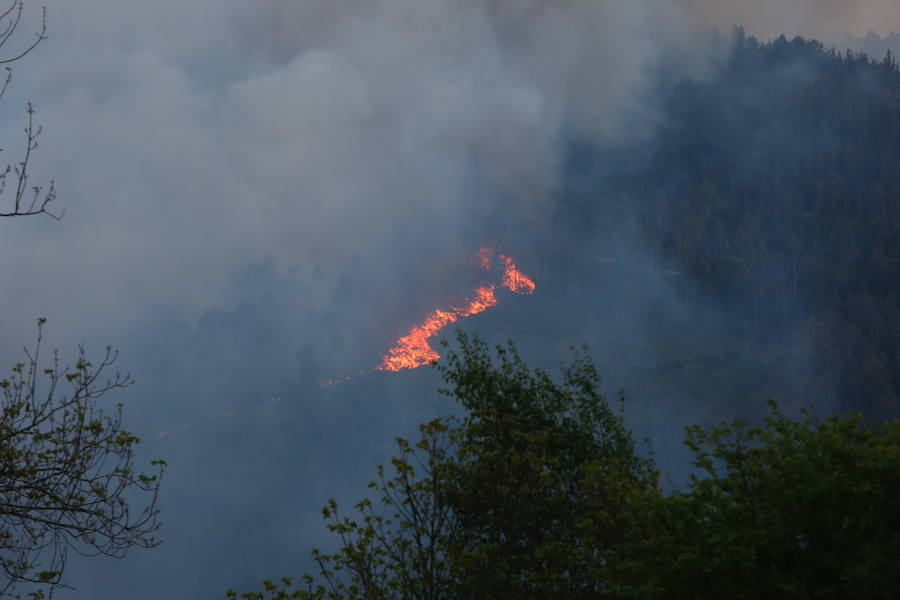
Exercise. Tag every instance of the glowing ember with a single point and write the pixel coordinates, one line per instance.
(331, 382)
(514, 279)
(484, 299)
(412, 350)
(483, 258)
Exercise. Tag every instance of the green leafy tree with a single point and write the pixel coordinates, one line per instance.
(67, 474)
(547, 478)
(806, 508)
(536, 492)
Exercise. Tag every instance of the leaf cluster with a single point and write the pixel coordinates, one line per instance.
(801, 508)
(547, 476)
(67, 470)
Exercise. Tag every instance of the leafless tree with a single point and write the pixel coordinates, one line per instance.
(27, 199)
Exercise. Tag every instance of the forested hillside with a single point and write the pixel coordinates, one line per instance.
(774, 192)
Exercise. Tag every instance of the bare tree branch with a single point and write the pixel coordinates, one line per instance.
(33, 200)
(27, 200)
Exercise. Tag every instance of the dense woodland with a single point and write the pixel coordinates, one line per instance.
(773, 191)
(538, 491)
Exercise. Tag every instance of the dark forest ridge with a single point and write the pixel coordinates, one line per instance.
(774, 191)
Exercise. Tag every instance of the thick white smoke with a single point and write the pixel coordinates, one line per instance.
(188, 142)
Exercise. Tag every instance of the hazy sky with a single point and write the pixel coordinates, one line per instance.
(823, 19)
(357, 150)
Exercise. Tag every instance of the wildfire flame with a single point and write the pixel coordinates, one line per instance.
(483, 258)
(514, 279)
(483, 300)
(412, 350)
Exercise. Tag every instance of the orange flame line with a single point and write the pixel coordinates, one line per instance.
(412, 350)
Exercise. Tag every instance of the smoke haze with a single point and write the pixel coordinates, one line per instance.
(825, 20)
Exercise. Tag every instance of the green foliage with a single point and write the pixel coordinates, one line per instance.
(546, 477)
(806, 508)
(66, 470)
(400, 544)
(536, 492)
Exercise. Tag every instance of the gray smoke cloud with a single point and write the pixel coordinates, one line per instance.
(186, 142)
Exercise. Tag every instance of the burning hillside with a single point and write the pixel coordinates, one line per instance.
(413, 350)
